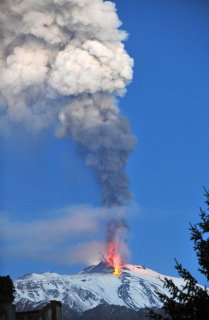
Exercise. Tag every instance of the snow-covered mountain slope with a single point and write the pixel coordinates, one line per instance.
(95, 285)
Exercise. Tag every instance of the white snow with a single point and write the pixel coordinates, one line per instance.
(134, 288)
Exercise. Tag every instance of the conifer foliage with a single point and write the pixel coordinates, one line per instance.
(6, 286)
(189, 301)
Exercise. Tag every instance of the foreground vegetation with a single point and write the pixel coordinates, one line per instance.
(190, 301)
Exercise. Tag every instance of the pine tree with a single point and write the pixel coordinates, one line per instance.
(6, 286)
(190, 301)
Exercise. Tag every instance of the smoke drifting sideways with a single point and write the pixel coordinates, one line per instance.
(63, 63)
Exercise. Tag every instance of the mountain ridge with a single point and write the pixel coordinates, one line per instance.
(95, 285)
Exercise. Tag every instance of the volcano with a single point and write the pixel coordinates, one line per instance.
(92, 287)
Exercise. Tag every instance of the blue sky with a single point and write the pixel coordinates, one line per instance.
(42, 178)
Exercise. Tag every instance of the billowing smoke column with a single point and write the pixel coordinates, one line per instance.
(63, 62)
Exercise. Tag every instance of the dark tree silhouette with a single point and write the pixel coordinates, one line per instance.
(6, 286)
(190, 301)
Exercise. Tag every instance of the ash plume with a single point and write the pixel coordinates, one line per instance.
(62, 62)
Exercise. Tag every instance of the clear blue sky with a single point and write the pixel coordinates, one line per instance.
(167, 104)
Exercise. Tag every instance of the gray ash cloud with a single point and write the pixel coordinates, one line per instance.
(63, 62)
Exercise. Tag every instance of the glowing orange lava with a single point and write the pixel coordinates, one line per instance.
(117, 272)
(113, 256)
